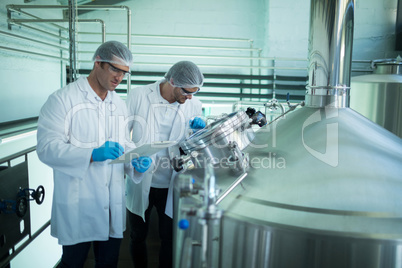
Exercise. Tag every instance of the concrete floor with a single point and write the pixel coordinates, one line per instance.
(124, 257)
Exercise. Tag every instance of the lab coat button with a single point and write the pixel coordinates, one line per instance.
(105, 207)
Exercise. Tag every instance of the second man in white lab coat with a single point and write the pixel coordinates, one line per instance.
(162, 111)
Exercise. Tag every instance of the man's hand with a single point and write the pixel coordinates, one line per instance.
(141, 164)
(109, 150)
(197, 123)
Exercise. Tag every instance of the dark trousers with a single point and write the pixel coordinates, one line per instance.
(139, 231)
(106, 254)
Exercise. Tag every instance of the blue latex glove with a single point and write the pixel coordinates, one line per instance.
(109, 150)
(141, 164)
(197, 123)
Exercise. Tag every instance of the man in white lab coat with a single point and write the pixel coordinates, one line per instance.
(162, 111)
(81, 128)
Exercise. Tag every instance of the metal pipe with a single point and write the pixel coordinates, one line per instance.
(53, 20)
(209, 218)
(181, 37)
(227, 66)
(71, 33)
(231, 187)
(33, 53)
(185, 46)
(230, 66)
(203, 56)
(209, 186)
(106, 7)
(32, 40)
(251, 55)
(19, 21)
(330, 53)
(129, 46)
(36, 17)
(42, 31)
(197, 47)
(194, 38)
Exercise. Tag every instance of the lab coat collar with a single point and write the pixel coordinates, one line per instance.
(90, 94)
(155, 94)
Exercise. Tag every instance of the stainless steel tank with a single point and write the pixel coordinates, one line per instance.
(378, 96)
(323, 187)
(330, 200)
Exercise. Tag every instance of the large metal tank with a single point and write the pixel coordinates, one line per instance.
(378, 96)
(330, 200)
(324, 184)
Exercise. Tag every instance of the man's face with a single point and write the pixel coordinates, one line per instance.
(183, 94)
(111, 75)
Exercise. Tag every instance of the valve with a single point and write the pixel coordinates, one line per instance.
(183, 161)
(20, 205)
(257, 118)
(39, 194)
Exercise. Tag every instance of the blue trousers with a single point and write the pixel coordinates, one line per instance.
(139, 231)
(106, 254)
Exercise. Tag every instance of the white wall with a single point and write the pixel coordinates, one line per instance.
(288, 28)
(374, 29)
(26, 79)
(374, 33)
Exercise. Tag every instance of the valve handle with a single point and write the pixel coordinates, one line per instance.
(39, 194)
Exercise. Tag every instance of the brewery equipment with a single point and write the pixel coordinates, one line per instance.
(378, 96)
(319, 188)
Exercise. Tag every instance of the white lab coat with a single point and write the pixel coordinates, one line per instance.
(88, 198)
(141, 104)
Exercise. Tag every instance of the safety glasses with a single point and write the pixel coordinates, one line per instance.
(116, 71)
(187, 93)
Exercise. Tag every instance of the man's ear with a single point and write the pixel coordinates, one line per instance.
(97, 64)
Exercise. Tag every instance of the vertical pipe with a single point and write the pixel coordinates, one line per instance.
(72, 51)
(274, 78)
(330, 53)
(103, 26)
(128, 45)
(398, 28)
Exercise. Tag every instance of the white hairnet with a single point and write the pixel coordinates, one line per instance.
(113, 52)
(185, 74)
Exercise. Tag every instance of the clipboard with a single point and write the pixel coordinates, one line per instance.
(147, 149)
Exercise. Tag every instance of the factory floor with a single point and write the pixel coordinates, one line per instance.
(124, 257)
